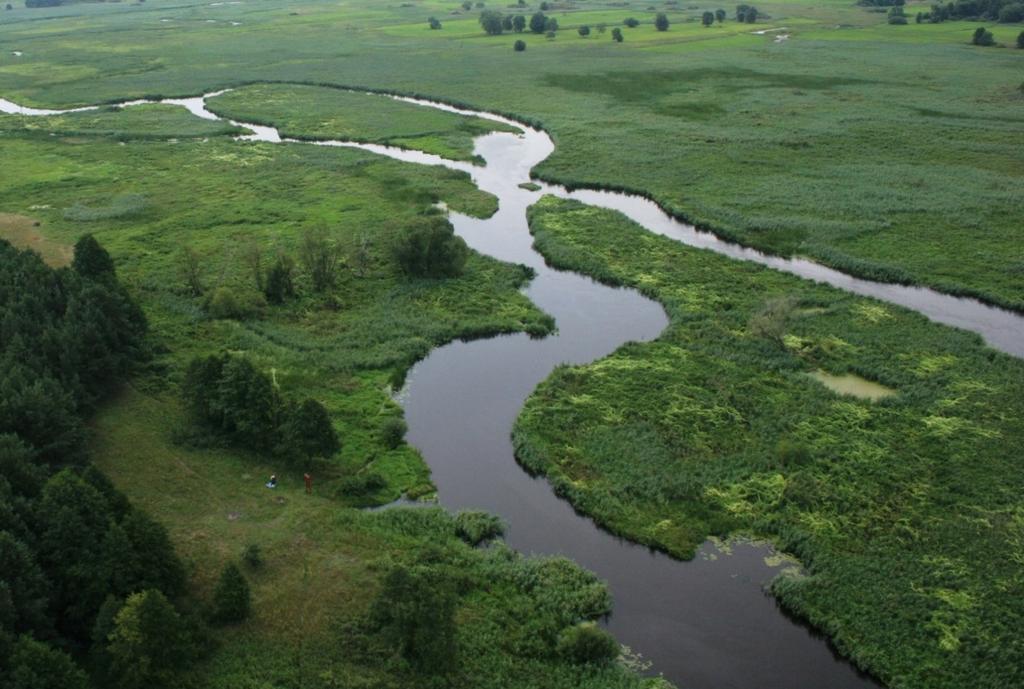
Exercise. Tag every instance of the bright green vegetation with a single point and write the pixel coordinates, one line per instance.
(310, 112)
(313, 620)
(907, 512)
(226, 200)
(132, 123)
(813, 145)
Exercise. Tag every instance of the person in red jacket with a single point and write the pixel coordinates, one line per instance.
(309, 483)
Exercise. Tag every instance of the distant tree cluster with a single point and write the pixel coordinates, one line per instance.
(746, 13)
(74, 553)
(229, 396)
(1003, 11)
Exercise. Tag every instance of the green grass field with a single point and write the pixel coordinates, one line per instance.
(906, 511)
(887, 151)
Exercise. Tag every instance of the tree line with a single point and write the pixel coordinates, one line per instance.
(81, 569)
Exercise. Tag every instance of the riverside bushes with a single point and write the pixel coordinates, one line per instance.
(718, 427)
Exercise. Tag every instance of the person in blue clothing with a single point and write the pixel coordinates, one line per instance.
(272, 483)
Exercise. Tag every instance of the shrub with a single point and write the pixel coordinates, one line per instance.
(897, 19)
(708, 18)
(720, 15)
(519, 46)
(518, 23)
(632, 22)
(434, 23)
(583, 31)
(392, 433)
(232, 600)
(661, 22)
(550, 34)
(587, 643)
(252, 556)
(538, 22)
(983, 36)
(617, 35)
(431, 249)
(362, 484)
(280, 283)
(416, 611)
(475, 527)
(1020, 40)
(321, 257)
(226, 303)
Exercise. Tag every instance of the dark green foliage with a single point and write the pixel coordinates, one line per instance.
(519, 46)
(392, 431)
(232, 600)
(746, 13)
(538, 22)
(1011, 14)
(708, 18)
(92, 260)
(415, 611)
(506, 22)
(321, 257)
(661, 21)
(307, 432)
(617, 35)
(150, 643)
(631, 22)
(252, 556)
(583, 31)
(68, 538)
(280, 280)
(720, 15)
(430, 249)
(983, 37)
(225, 302)
(475, 527)
(587, 643)
(25, 585)
(231, 397)
(35, 665)
(518, 23)
(1020, 40)
(491, 21)
(434, 23)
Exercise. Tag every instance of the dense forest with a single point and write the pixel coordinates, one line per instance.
(86, 580)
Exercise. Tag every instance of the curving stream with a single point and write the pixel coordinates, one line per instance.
(705, 624)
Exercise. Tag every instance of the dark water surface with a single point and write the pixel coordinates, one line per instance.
(705, 624)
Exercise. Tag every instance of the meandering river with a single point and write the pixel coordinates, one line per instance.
(705, 624)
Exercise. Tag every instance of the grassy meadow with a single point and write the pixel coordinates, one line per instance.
(887, 151)
(333, 114)
(907, 511)
(891, 152)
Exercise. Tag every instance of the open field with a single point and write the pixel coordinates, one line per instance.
(333, 114)
(817, 145)
(146, 201)
(322, 566)
(891, 152)
(907, 510)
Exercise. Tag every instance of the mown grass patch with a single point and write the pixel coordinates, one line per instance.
(899, 508)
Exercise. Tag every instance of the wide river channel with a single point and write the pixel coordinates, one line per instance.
(705, 624)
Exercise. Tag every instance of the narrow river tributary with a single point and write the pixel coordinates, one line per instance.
(705, 624)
